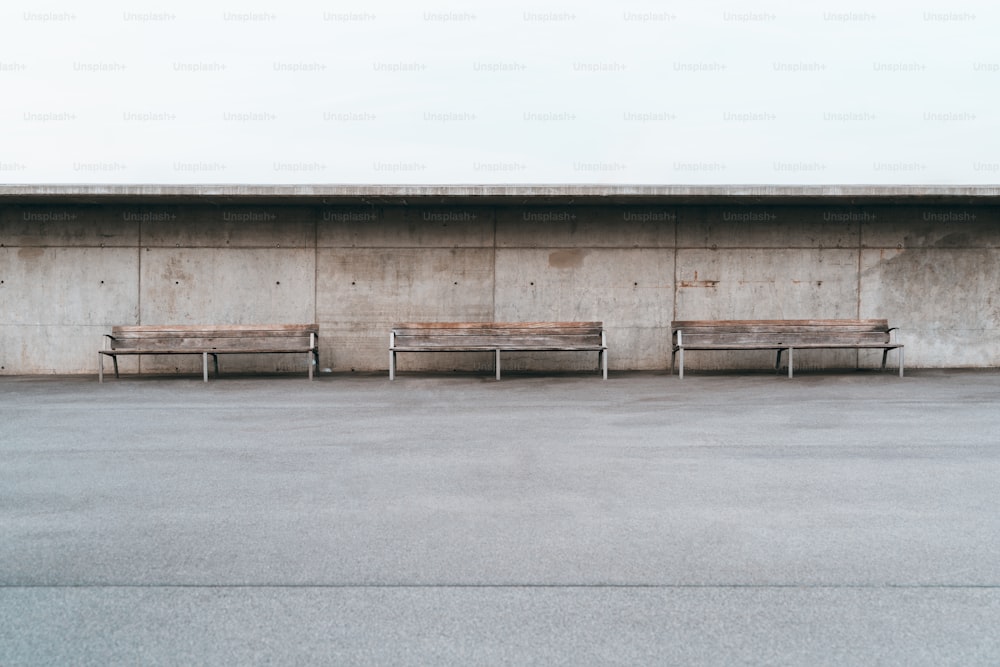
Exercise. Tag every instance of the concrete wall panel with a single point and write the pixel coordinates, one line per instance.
(586, 226)
(235, 286)
(406, 227)
(361, 293)
(68, 286)
(56, 303)
(230, 227)
(766, 284)
(946, 302)
(631, 291)
(58, 226)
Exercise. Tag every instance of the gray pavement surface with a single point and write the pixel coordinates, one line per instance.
(833, 519)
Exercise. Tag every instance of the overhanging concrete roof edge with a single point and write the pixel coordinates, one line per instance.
(495, 194)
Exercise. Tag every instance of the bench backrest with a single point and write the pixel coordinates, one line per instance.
(217, 337)
(498, 334)
(781, 332)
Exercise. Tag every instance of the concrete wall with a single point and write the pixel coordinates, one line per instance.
(69, 272)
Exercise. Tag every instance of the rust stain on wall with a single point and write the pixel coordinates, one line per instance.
(697, 283)
(567, 259)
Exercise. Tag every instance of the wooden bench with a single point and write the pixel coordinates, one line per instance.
(498, 336)
(781, 335)
(210, 341)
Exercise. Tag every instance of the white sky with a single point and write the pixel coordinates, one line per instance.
(706, 92)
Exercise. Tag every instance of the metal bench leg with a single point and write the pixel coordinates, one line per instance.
(789, 363)
(204, 366)
(312, 357)
(100, 367)
(900, 361)
(885, 355)
(392, 365)
(681, 355)
(498, 365)
(604, 354)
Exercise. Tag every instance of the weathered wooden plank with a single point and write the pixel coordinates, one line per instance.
(244, 328)
(526, 348)
(754, 323)
(775, 329)
(161, 332)
(498, 333)
(498, 325)
(786, 339)
(158, 351)
(765, 346)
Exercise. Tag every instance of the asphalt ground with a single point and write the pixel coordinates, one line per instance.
(838, 518)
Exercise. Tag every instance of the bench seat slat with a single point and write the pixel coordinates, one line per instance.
(209, 343)
(486, 333)
(759, 324)
(499, 325)
(208, 333)
(490, 342)
(491, 348)
(213, 350)
(216, 328)
(783, 339)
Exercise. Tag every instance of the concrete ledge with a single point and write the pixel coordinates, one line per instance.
(508, 194)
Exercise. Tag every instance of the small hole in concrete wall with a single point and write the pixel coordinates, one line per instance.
(353, 283)
(636, 284)
(102, 282)
(456, 283)
(531, 283)
(277, 282)
(177, 282)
